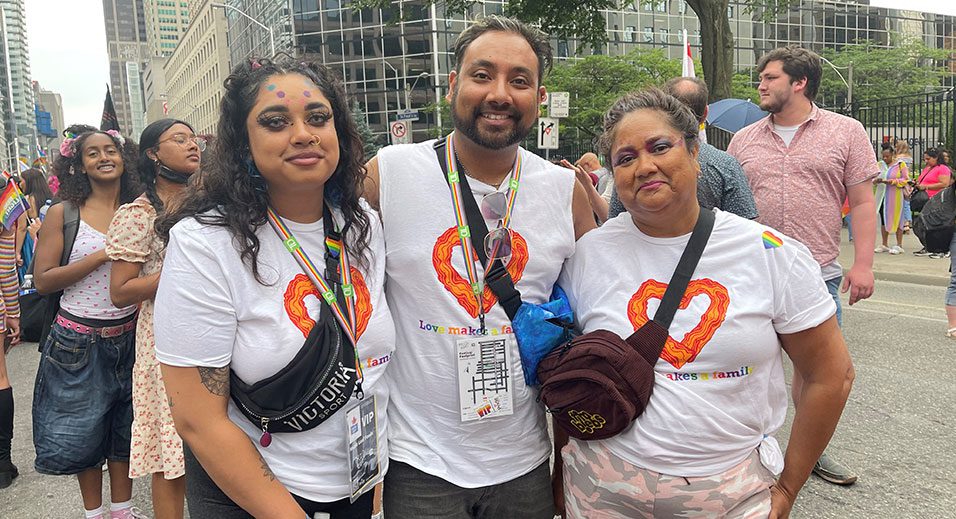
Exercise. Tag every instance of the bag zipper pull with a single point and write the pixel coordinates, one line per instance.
(359, 393)
(266, 439)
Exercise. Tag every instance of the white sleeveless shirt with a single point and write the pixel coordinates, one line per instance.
(426, 430)
(90, 296)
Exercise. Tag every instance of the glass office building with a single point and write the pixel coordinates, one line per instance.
(399, 58)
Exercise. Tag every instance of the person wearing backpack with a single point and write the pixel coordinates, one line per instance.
(82, 402)
(703, 445)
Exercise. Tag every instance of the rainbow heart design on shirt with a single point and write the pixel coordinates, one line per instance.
(457, 285)
(770, 240)
(675, 352)
(301, 287)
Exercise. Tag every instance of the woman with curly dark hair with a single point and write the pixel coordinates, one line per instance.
(281, 428)
(169, 156)
(82, 403)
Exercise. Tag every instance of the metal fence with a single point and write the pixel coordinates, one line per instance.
(924, 121)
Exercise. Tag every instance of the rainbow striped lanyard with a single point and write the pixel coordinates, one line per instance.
(464, 232)
(336, 248)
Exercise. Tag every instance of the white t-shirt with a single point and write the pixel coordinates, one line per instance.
(211, 311)
(786, 133)
(721, 390)
(424, 264)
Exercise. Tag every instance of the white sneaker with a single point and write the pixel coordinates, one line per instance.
(896, 249)
(882, 248)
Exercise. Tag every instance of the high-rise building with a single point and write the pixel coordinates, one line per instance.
(49, 115)
(20, 120)
(399, 58)
(195, 72)
(166, 22)
(250, 23)
(154, 89)
(126, 42)
(136, 32)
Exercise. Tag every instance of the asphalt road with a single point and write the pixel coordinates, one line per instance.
(897, 431)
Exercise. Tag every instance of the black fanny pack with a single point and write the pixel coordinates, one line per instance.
(315, 384)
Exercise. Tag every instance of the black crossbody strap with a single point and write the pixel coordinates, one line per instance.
(685, 268)
(496, 275)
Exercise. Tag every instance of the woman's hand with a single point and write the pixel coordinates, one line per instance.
(34, 228)
(781, 502)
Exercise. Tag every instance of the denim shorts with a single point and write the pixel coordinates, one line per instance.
(83, 401)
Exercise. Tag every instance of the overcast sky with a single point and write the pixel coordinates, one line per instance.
(67, 42)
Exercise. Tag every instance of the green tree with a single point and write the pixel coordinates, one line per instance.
(742, 87)
(595, 82)
(370, 141)
(880, 73)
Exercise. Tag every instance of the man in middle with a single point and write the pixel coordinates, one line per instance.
(467, 436)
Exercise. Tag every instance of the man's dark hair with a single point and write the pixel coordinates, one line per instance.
(539, 41)
(691, 91)
(798, 63)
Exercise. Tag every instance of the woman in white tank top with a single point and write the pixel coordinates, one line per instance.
(82, 407)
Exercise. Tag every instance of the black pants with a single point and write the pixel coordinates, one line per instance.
(413, 494)
(205, 499)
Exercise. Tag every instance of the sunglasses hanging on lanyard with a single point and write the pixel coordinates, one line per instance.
(497, 244)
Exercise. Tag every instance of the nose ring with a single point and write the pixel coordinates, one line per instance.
(315, 140)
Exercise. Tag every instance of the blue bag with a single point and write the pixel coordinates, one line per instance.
(541, 328)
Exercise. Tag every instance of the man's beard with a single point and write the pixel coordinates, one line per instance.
(495, 141)
(773, 104)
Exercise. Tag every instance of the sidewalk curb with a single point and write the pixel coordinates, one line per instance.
(916, 279)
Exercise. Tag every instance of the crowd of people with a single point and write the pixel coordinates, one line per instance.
(280, 326)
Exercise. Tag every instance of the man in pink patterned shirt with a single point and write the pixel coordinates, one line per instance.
(801, 162)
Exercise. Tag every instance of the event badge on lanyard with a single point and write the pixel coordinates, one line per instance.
(485, 384)
(361, 419)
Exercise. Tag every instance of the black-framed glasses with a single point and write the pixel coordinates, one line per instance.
(182, 140)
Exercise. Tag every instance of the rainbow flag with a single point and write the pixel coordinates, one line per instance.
(12, 205)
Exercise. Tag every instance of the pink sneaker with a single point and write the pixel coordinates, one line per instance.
(128, 513)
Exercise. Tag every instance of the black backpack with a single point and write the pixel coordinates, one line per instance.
(37, 311)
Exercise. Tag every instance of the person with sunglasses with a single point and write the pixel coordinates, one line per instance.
(467, 436)
(169, 154)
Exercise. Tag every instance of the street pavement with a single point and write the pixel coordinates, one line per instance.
(897, 431)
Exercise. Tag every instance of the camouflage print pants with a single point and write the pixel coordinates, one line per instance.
(600, 485)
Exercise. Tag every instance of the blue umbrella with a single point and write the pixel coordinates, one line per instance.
(733, 114)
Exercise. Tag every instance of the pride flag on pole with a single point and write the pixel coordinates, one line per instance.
(23, 164)
(12, 205)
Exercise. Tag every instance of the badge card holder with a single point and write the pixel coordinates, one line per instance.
(485, 385)
(361, 420)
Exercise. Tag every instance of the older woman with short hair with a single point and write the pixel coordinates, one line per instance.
(703, 446)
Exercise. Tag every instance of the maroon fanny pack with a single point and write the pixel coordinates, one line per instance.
(597, 384)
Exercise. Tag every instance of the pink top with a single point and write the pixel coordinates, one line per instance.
(931, 176)
(90, 296)
(799, 189)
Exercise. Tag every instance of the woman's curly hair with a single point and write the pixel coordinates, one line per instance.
(230, 197)
(75, 184)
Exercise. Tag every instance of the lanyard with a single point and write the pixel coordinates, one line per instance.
(464, 232)
(336, 249)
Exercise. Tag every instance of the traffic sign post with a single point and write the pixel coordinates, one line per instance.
(547, 133)
(559, 104)
(400, 132)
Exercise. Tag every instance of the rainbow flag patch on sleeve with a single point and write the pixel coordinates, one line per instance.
(771, 241)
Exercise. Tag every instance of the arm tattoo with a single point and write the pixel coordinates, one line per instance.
(170, 402)
(266, 471)
(216, 380)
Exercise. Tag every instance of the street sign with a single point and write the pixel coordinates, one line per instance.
(547, 133)
(560, 101)
(400, 132)
(407, 115)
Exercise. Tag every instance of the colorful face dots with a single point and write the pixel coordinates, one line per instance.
(271, 87)
(307, 93)
(280, 94)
